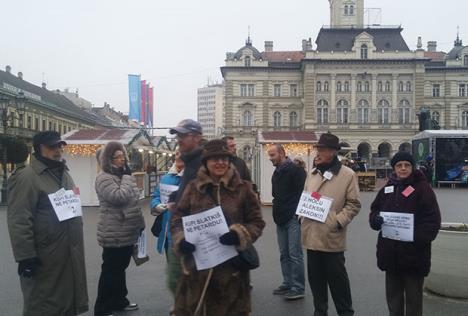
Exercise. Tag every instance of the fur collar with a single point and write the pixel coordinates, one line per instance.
(229, 181)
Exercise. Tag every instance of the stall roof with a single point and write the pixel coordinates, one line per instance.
(442, 133)
(103, 136)
(307, 137)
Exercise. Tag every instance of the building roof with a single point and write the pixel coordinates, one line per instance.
(248, 45)
(103, 136)
(435, 56)
(287, 137)
(284, 56)
(455, 52)
(342, 39)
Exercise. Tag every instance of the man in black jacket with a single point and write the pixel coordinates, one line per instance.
(287, 186)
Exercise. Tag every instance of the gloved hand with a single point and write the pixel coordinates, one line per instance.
(376, 222)
(127, 170)
(229, 239)
(28, 267)
(186, 247)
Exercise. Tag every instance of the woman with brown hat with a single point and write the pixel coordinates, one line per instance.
(224, 289)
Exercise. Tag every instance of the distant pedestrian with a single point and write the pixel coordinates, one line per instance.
(406, 263)
(326, 242)
(120, 224)
(49, 251)
(300, 162)
(287, 186)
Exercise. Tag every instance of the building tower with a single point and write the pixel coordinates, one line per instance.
(346, 13)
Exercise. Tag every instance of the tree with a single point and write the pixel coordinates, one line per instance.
(17, 150)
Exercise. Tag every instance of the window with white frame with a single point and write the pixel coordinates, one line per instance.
(408, 86)
(387, 86)
(465, 118)
(293, 90)
(342, 112)
(247, 61)
(363, 112)
(251, 90)
(359, 86)
(367, 86)
(380, 86)
(322, 112)
(462, 90)
(247, 118)
(277, 119)
(351, 10)
(346, 86)
(243, 90)
(364, 51)
(293, 119)
(319, 86)
(404, 112)
(400, 86)
(436, 116)
(338, 86)
(383, 111)
(346, 10)
(326, 86)
(277, 90)
(436, 90)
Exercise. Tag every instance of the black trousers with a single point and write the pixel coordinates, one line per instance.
(404, 292)
(112, 287)
(327, 269)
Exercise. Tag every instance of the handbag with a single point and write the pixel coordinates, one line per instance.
(247, 259)
(157, 226)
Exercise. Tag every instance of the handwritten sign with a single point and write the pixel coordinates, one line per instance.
(66, 204)
(203, 230)
(142, 245)
(165, 190)
(313, 208)
(398, 226)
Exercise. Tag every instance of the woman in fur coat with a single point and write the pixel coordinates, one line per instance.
(227, 288)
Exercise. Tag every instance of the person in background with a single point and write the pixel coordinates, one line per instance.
(49, 252)
(326, 241)
(427, 168)
(287, 186)
(298, 161)
(406, 263)
(119, 226)
(159, 208)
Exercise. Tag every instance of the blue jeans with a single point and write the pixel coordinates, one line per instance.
(291, 256)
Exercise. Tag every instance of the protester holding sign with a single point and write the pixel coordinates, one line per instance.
(407, 213)
(168, 184)
(224, 289)
(46, 238)
(119, 227)
(334, 201)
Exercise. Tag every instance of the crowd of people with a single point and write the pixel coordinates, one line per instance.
(46, 230)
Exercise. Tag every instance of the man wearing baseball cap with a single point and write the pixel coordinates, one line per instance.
(49, 248)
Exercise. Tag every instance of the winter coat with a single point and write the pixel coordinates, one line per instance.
(228, 292)
(192, 162)
(59, 287)
(171, 178)
(400, 257)
(120, 220)
(344, 190)
(241, 168)
(287, 186)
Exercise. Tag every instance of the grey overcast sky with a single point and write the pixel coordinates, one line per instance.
(92, 45)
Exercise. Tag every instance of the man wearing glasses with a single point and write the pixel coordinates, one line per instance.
(47, 243)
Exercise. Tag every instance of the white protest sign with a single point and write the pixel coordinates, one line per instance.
(66, 204)
(313, 208)
(398, 226)
(203, 230)
(142, 245)
(165, 190)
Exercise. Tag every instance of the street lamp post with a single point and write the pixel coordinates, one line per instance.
(6, 118)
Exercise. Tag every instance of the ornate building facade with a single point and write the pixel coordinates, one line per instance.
(362, 83)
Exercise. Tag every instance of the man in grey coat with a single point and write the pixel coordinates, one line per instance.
(49, 251)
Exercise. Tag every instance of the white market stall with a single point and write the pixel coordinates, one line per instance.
(80, 154)
(297, 144)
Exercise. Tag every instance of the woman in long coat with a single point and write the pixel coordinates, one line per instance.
(217, 183)
(406, 263)
(119, 226)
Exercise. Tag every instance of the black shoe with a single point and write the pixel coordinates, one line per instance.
(281, 290)
(293, 295)
(131, 307)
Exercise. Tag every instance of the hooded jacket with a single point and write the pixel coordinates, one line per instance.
(400, 257)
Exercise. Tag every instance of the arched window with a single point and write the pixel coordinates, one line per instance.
(436, 116)
(367, 86)
(342, 112)
(346, 86)
(338, 86)
(404, 112)
(247, 61)
(364, 51)
(351, 10)
(319, 86)
(465, 119)
(400, 86)
(384, 150)
(363, 112)
(383, 108)
(322, 112)
(379, 86)
(408, 86)
(293, 119)
(247, 118)
(346, 12)
(359, 86)
(246, 153)
(325, 86)
(277, 119)
(387, 86)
